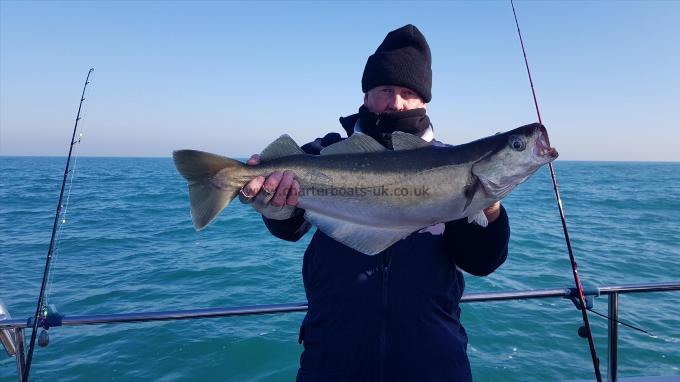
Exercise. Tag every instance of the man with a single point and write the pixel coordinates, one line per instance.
(394, 316)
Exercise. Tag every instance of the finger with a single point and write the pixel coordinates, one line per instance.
(253, 187)
(243, 198)
(294, 194)
(283, 189)
(493, 207)
(254, 159)
(493, 212)
(272, 182)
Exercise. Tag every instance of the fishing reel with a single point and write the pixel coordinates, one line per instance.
(49, 317)
(589, 294)
(43, 338)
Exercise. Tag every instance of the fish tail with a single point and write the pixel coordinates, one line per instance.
(213, 182)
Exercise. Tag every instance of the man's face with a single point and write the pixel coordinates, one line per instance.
(392, 98)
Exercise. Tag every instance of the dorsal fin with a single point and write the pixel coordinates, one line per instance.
(406, 141)
(356, 143)
(282, 147)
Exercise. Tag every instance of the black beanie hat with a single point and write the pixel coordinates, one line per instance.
(403, 59)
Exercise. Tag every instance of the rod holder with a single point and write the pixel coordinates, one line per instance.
(589, 294)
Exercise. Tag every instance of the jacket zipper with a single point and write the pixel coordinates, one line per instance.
(383, 327)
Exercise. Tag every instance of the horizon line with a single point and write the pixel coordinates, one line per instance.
(239, 157)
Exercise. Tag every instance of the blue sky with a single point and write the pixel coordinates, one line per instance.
(230, 77)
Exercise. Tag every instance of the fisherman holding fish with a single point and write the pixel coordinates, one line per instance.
(400, 216)
(393, 316)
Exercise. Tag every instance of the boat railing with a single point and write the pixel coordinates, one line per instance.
(12, 330)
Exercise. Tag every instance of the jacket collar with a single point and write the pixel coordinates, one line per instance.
(427, 136)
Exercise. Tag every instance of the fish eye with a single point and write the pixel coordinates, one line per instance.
(517, 143)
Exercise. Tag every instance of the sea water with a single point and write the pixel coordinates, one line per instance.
(128, 245)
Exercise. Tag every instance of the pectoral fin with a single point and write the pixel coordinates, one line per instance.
(470, 190)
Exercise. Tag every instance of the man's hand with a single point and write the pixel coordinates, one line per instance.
(275, 196)
(492, 213)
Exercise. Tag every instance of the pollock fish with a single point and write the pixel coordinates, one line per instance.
(368, 197)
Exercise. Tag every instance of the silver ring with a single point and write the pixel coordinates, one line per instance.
(245, 198)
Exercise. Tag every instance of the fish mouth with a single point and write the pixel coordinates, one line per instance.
(542, 148)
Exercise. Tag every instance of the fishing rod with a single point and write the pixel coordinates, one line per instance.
(574, 268)
(41, 311)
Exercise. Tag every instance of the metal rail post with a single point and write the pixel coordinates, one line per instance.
(21, 361)
(613, 331)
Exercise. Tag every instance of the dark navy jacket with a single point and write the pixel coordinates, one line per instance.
(394, 316)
